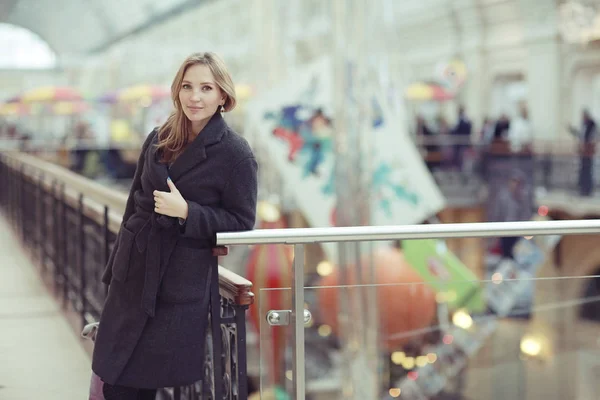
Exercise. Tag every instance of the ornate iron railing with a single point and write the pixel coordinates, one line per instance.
(69, 225)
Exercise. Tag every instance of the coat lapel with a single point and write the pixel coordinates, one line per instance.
(195, 153)
(157, 172)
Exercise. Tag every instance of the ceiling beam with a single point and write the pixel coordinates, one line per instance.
(107, 25)
(158, 19)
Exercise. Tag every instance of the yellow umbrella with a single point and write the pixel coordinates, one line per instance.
(10, 109)
(419, 91)
(427, 91)
(145, 93)
(69, 108)
(51, 93)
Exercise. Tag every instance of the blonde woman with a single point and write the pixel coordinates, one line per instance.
(195, 177)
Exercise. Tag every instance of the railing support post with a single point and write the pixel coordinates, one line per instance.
(298, 367)
(82, 280)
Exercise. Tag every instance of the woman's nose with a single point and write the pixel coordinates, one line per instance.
(196, 96)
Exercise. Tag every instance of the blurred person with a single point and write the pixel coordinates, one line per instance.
(12, 132)
(194, 177)
(586, 135)
(511, 205)
(445, 141)
(426, 136)
(115, 165)
(82, 140)
(520, 132)
(425, 133)
(502, 127)
(462, 133)
(486, 135)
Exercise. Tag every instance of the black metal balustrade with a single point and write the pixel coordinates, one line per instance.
(70, 234)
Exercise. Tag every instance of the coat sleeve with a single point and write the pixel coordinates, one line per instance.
(130, 206)
(238, 205)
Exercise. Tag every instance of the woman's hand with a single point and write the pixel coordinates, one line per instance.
(170, 203)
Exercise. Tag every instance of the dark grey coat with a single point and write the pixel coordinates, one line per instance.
(152, 328)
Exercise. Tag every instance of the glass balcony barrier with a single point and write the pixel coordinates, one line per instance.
(402, 316)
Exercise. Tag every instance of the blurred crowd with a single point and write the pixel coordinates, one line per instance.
(446, 146)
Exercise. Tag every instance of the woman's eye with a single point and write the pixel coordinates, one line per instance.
(206, 88)
(187, 87)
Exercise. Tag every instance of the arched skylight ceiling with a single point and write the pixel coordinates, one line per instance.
(75, 27)
(23, 49)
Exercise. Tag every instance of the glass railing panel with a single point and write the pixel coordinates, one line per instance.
(414, 322)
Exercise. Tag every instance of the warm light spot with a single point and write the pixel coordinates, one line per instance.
(395, 392)
(267, 212)
(432, 357)
(413, 375)
(448, 339)
(497, 278)
(462, 319)
(543, 211)
(324, 268)
(528, 237)
(408, 363)
(422, 361)
(288, 375)
(398, 357)
(531, 346)
(324, 330)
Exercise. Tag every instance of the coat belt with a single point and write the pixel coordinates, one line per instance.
(160, 244)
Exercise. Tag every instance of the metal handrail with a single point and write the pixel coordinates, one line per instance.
(303, 236)
(405, 232)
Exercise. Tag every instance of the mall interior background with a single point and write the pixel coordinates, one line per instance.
(83, 83)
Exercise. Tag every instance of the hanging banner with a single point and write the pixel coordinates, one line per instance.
(294, 123)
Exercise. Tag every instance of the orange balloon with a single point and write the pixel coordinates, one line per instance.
(404, 302)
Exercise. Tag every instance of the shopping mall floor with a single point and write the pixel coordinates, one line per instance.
(40, 356)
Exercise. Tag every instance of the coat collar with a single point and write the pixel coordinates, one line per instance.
(195, 152)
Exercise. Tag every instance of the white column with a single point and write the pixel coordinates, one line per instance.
(267, 47)
(543, 67)
(471, 33)
(543, 78)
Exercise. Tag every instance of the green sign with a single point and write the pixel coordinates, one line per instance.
(453, 282)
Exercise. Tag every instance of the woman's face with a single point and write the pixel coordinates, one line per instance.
(200, 96)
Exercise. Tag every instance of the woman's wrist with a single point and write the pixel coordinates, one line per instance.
(184, 213)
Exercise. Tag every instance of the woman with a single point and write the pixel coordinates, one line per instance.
(195, 177)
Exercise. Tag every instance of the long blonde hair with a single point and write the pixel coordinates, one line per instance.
(174, 134)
